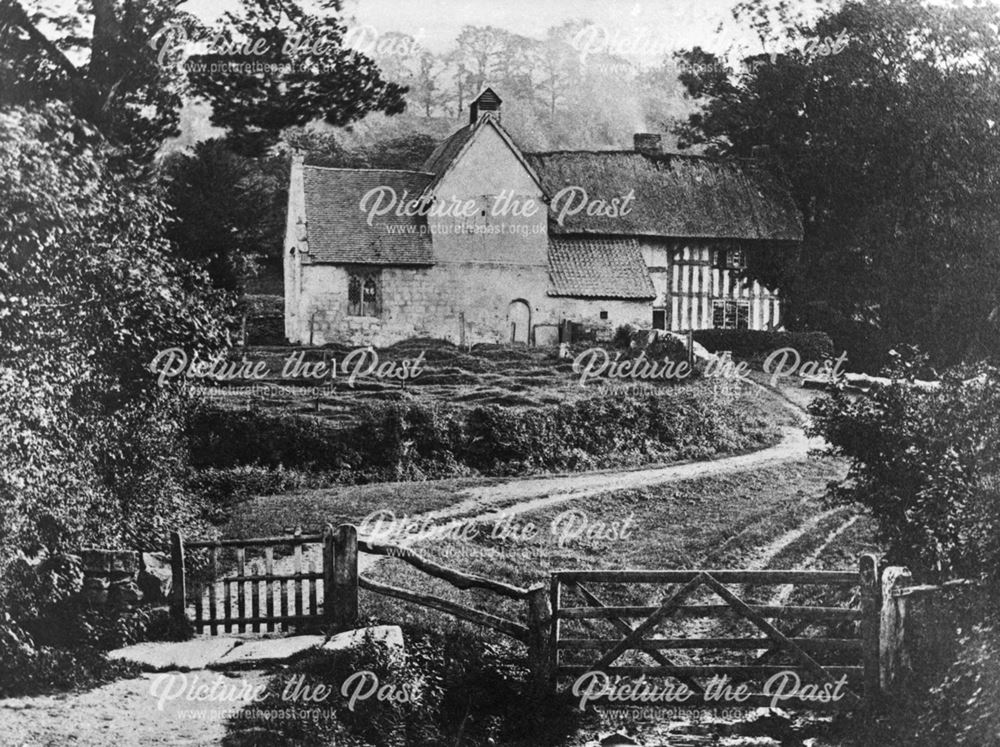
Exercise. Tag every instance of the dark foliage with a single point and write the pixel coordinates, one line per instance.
(399, 442)
(891, 151)
(451, 688)
(290, 83)
(927, 466)
(228, 210)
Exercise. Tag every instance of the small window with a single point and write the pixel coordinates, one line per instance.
(734, 258)
(731, 314)
(363, 294)
(604, 315)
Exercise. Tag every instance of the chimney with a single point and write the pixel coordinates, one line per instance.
(648, 143)
(486, 102)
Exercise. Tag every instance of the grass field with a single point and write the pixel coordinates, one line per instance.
(763, 519)
(486, 374)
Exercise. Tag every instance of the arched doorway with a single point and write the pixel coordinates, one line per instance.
(518, 321)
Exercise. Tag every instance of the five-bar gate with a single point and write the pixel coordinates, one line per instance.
(745, 639)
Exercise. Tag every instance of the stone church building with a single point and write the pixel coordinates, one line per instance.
(488, 243)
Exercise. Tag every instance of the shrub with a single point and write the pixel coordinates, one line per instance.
(656, 344)
(453, 688)
(948, 692)
(230, 438)
(414, 441)
(30, 669)
(43, 598)
(961, 709)
(220, 488)
(926, 464)
(748, 343)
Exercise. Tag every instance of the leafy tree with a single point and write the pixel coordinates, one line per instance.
(120, 88)
(90, 291)
(284, 67)
(892, 147)
(228, 210)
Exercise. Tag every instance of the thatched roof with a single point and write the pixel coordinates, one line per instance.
(675, 195)
(338, 231)
(598, 268)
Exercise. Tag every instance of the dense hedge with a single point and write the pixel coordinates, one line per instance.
(926, 464)
(452, 687)
(398, 442)
(748, 343)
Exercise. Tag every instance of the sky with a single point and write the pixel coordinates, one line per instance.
(642, 31)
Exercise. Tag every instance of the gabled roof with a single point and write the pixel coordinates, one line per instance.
(598, 268)
(675, 195)
(445, 155)
(487, 95)
(338, 230)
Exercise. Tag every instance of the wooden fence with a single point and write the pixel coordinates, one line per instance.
(252, 597)
(856, 655)
(236, 595)
(226, 597)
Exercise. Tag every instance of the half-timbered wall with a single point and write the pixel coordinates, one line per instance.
(696, 284)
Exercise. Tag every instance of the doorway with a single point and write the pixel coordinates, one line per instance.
(519, 322)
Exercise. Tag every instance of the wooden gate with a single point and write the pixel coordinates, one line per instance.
(592, 634)
(234, 585)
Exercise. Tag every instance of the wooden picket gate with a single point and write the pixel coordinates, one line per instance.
(244, 600)
(855, 651)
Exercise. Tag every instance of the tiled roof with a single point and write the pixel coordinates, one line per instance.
(598, 268)
(338, 228)
(675, 195)
(439, 161)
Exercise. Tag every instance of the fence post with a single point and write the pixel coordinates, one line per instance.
(540, 643)
(343, 594)
(178, 594)
(690, 348)
(871, 604)
(892, 630)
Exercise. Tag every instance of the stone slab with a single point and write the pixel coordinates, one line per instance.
(390, 636)
(160, 656)
(252, 653)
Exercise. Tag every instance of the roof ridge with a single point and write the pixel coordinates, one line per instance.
(671, 154)
(344, 168)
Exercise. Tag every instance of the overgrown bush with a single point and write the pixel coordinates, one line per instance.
(962, 708)
(414, 441)
(91, 449)
(49, 639)
(30, 669)
(44, 599)
(225, 438)
(927, 466)
(451, 688)
(655, 344)
(750, 343)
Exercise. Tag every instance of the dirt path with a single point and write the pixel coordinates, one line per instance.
(125, 713)
(524, 495)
